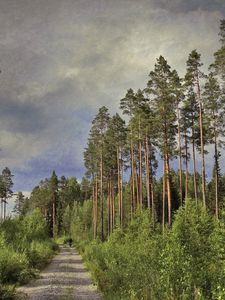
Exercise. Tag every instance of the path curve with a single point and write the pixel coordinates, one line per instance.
(65, 278)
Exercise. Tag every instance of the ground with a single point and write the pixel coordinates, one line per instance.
(65, 278)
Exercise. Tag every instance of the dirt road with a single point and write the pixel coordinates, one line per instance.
(65, 278)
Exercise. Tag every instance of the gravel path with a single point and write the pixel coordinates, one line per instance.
(65, 278)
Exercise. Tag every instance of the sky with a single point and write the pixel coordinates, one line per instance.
(62, 60)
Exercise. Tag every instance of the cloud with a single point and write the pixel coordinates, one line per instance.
(61, 60)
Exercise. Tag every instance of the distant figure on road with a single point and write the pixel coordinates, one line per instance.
(70, 241)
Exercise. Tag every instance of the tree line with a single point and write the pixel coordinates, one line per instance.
(170, 118)
(53, 196)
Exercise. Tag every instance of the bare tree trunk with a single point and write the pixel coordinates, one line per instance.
(93, 210)
(96, 205)
(164, 193)
(186, 165)
(180, 158)
(202, 143)
(151, 182)
(133, 201)
(109, 209)
(147, 172)
(118, 183)
(216, 175)
(140, 167)
(113, 206)
(121, 191)
(137, 189)
(168, 189)
(194, 162)
(102, 200)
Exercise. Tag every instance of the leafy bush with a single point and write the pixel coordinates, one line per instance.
(11, 265)
(185, 262)
(25, 247)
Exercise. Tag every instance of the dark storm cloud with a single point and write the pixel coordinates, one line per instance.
(61, 60)
(21, 117)
(190, 5)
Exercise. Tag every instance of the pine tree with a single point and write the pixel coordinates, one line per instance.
(161, 90)
(190, 115)
(127, 105)
(94, 154)
(214, 108)
(219, 63)
(115, 142)
(179, 94)
(192, 77)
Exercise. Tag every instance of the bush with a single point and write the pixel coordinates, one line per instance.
(7, 292)
(186, 262)
(11, 265)
(39, 253)
(25, 247)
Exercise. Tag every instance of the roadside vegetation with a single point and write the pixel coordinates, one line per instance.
(25, 249)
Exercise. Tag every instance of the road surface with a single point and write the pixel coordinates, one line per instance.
(65, 278)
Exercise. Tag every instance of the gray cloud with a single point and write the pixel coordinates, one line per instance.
(61, 60)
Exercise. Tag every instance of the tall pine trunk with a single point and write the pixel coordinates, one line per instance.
(93, 209)
(109, 208)
(216, 174)
(151, 182)
(133, 199)
(137, 189)
(140, 167)
(101, 195)
(96, 206)
(202, 143)
(118, 183)
(180, 159)
(147, 172)
(121, 190)
(113, 205)
(186, 164)
(194, 162)
(168, 189)
(164, 193)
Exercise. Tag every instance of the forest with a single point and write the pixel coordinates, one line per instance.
(149, 214)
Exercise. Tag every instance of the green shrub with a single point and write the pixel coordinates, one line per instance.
(11, 265)
(25, 247)
(7, 292)
(186, 262)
